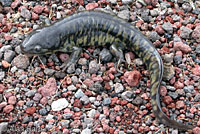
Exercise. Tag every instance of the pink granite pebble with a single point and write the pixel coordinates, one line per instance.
(163, 91)
(180, 104)
(91, 6)
(132, 77)
(7, 109)
(38, 9)
(49, 89)
(12, 100)
(182, 47)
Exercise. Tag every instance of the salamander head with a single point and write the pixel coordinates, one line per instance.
(39, 42)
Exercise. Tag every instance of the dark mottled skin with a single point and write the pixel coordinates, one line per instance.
(91, 28)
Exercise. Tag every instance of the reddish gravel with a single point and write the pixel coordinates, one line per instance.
(93, 96)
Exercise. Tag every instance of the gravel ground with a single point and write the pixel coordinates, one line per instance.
(91, 96)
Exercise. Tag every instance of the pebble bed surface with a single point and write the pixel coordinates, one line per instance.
(91, 96)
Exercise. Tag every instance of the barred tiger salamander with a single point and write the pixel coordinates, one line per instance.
(90, 28)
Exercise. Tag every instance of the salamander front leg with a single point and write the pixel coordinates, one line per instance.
(75, 55)
(117, 51)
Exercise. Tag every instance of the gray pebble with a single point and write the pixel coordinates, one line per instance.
(126, 2)
(92, 99)
(47, 21)
(48, 71)
(175, 17)
(127, 95)
(197, 61)
(22, 77)
(168, 58)
(86, 131)
(106, 101)
(21, 62)
(1, 98)
(4, 48)
(178, 59)
(121, 132)
(189, 89)
(54, 6)
(35, 26)
(67, 116)
(2, 75)
(141, 2)
(102, 116)
(79, 94)
(118, 88)
(71, 69)
(96, 87)
(174, 95)
(186, 7)
(93, 67)
(176, 38)
(13, 69)
(37, 97)
(91, 113)
(113, 1)
(171, 88)
(65, 123)
(138, 100)
(37, 69)
(58, 15)
(185, 32)
(149, 121)
(29, 103)
(54, 58)
(146, 17)
(25, 13)
(154, 36)
(76, 130)
(196, 11)
(78, 71)
(174, 131)
(164, 5)
(167, 26)
(26, 119)
(198, 49)
(85, 100)
(74, 79)
(1, 55)
(97, 103)
(197, 97)
(43, 112)
(124, 14)
(96, 52)
(59, 75)
(14, 29)
(170, 11)
(154, 12)
(1, 17)
(31, 93)
(3, 127)
(105, 55)
(71, 88)
(6, 3)
(49, 117)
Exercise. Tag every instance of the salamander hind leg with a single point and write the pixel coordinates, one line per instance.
(74, 57)
(118, 52)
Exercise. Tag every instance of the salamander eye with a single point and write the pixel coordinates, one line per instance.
(37, 48)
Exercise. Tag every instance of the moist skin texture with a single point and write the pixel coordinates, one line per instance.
(91, 28)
